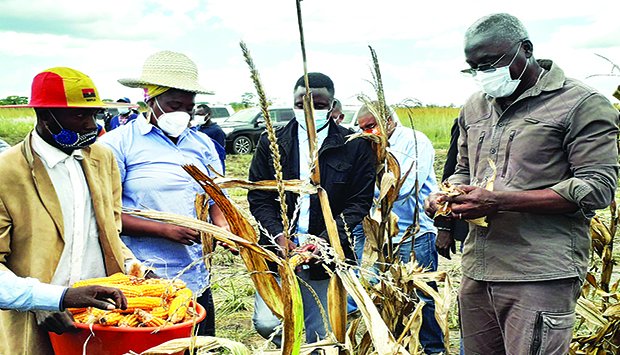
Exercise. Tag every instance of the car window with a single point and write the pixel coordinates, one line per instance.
(281, 115)
(217, 112)
(349, 116)
(245, 116)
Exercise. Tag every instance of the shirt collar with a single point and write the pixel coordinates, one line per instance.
(51, 155)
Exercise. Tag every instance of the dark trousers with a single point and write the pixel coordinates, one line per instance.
(517, 317)
(207, 326)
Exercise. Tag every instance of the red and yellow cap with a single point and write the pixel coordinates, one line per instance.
(63, 87)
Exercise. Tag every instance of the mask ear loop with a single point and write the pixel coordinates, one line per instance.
(55, 120)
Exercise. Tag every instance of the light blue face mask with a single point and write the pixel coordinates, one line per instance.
(321, 118)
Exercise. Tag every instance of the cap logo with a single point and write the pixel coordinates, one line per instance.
(89, 94)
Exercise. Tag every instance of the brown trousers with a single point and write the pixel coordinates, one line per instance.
(517, 317)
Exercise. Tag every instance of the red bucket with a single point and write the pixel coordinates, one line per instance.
(119, 341)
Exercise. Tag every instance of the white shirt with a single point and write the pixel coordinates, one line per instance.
(304, 174)
(82, 257)
(24, 294)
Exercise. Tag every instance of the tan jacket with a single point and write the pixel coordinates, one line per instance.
(31, 230)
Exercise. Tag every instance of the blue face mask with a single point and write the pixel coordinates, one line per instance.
(67, 138)
(321, 117)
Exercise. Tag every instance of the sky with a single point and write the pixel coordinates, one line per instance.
(419, 43)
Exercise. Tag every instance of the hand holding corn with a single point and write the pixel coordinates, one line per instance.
(149, 302)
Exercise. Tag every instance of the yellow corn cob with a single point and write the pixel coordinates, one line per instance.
(146, 303)
(92, 316)
(116, 279)
(160, 312)
(130, 320)
(110, 318)
(148, 319)
(178, 306)
(154, 290)
(81, 318)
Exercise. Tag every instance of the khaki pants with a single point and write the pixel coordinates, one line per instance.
(517, 317)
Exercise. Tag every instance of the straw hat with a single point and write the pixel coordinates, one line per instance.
(169, 69)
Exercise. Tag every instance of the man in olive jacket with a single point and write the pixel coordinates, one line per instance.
(347, 172)
(60, 204)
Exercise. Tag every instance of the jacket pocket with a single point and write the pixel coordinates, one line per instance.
(339, 171)
(511, 137)
(478, 150)
(552, 332)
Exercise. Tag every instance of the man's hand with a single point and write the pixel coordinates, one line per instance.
(475, 203)
(230, 248)
(313, 250)
(107, 298)
(57, 322)
(433, 202)
(181, 235)
(285, 244)
(445, 244)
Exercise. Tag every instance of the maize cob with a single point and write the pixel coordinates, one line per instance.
(92, 316)
(148, 319)
(116, 279)
(134, 303)
(160, 312)
(76, 311)
(110, 318)
(130, 320)
(154, 290)
(178, 306)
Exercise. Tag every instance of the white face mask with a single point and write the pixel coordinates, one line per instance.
(499, 83)
(173, 123)
(197, 120)
(320, 118)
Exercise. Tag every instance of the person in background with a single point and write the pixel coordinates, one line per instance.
(336, 112)
(552, 141)
(124, 116)
(347, 171)
(450, 230)
(150, 153)
(26, 294)
(413, 150)
(203, 122)
(4, 145)
(59, 204)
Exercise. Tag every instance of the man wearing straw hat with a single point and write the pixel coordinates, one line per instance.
(347, 171)
(59, 204)
(150, 153)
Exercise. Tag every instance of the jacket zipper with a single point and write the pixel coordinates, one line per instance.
(507, 156)
(478, 149)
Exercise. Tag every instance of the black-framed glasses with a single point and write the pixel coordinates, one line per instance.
(489, 68)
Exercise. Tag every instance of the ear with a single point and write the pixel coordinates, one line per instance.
(528, 47)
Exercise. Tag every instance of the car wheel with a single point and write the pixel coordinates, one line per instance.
(242, 145)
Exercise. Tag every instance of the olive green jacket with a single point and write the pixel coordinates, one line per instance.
(560, 134)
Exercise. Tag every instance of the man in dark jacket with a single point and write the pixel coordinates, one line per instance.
(347, 172)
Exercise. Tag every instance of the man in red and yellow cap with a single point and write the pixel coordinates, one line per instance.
(60, 204)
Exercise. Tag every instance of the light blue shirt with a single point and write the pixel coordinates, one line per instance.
(152, 177)
(24, 294)
(403, 147)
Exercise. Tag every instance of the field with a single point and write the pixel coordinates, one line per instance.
(232, 288)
